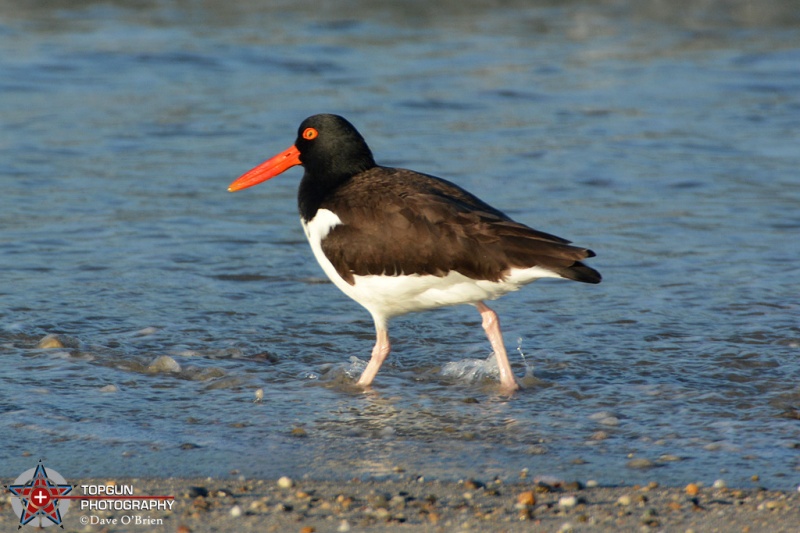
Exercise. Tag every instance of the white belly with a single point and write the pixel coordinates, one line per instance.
(388, 296)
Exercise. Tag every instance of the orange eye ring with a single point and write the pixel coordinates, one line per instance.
(310, 134)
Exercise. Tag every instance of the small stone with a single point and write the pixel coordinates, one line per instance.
(50, 341)
(567, 502)
(236, 511)
(640, 463)
(258, 506)
(397, 502)
(307, 529)
(194, 492)
(526, 498)
(163, 363)
(345, 501)
(183, 529)
(720, 484)
(566, 528)
(649, 518)
(667, 457)
(624, 500)
(285, 482)
(259, 396)
(592, 483)
(473, 484)
(299, 432)
(599, 435)
(344, 526)
(201, 504)
(754, 477)
(109, 388)
(692, 489)
(769, 505)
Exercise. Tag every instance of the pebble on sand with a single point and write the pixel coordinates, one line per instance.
(285, 482)
(197, 491)
(568, 502)
(405, 505)
(526, 498)
(692, 489)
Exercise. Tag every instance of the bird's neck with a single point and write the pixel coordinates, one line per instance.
(323, 177)
(314, 190)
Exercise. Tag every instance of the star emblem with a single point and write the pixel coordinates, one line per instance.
(39, 497)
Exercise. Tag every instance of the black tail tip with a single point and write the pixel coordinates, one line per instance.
(583, 273)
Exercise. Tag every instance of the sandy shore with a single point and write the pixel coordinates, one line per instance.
(205, 505)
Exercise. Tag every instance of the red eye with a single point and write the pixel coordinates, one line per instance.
(310, 133)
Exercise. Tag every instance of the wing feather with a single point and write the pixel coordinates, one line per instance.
(396, 221)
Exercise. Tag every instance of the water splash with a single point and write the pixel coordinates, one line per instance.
(472, 370)
(529, 367)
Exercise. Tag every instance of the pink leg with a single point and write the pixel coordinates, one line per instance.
(379, 354)
(491, 325)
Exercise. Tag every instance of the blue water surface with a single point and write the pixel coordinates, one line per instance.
(663, 136)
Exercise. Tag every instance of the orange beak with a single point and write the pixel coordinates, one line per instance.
(268, 169)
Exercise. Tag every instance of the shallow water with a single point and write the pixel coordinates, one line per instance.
(666, 140)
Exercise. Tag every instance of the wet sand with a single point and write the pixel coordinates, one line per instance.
(416, 504)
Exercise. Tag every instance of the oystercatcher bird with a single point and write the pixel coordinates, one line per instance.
(398, 241)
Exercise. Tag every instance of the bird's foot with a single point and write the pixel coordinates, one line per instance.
(510, 387)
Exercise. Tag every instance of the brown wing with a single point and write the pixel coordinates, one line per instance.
(398, 221)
